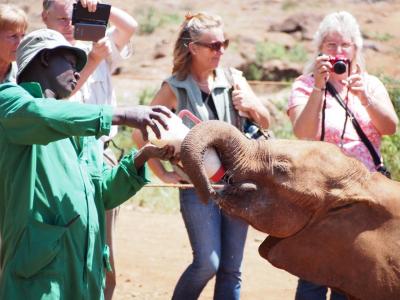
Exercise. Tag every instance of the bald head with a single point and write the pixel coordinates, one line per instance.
(48, 3)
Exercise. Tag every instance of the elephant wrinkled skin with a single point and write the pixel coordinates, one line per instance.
(329, 220)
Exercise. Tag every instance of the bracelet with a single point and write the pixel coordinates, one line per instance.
(318, 89)
(369, 102)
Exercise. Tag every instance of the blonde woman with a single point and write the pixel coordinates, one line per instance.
(201, 86)
(13, 24)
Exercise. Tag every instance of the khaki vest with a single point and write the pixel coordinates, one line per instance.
(189, 97)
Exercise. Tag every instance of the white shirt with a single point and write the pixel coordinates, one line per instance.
(98, 87)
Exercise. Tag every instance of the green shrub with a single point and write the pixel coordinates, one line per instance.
(268, 50)
(254, 72)
(391, 144)
(161, 199)
(297, 54)
(146, 95)
(391, 153)
(381, 37)
(289, 4)
(151, 19)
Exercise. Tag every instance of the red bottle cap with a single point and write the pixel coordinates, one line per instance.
(218, 175)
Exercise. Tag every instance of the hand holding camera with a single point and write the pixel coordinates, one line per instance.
(325, 65)
(101, 49)
(339, 64)
(90, 20)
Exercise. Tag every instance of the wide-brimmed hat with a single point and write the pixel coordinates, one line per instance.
(41, 39)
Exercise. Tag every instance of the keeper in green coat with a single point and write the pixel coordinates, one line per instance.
(54, 188)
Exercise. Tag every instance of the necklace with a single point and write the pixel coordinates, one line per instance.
(206, 86)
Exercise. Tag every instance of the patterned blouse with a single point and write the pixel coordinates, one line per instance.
(335, 117)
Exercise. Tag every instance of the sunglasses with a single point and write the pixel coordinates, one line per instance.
(215, 46)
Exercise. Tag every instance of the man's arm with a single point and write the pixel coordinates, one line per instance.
(124, 28)
(27, 120)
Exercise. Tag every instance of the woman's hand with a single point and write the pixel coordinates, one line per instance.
(242, 100)
(171, 177)
(322, 69)
(356, 84)
(248, 105)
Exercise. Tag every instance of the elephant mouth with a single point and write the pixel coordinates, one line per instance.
(270, 242)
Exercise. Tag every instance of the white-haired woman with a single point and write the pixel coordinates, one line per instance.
(337, 71)
(13, 24)
(199, 85)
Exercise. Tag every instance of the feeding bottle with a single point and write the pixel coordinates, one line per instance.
(175, 135)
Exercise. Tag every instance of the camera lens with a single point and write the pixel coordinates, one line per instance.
(339, 67)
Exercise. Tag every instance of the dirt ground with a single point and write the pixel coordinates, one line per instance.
(153, 250)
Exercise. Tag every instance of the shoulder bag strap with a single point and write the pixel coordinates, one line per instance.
(376, 158)
(323, 118)
(239, 120)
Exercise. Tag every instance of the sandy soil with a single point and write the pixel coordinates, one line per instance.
(153, 250)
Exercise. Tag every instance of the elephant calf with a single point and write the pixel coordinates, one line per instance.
(329, 220)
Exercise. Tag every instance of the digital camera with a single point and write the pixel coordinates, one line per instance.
(90, 26)
(252, 131)
(339, 64)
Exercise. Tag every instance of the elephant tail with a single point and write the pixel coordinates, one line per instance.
(209, 134)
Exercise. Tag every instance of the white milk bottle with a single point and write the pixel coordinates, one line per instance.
(175, 135)
(214, 170)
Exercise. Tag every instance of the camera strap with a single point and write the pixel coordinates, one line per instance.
(375, 157)
(323, 118)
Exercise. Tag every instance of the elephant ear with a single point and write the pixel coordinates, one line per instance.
(338, 249)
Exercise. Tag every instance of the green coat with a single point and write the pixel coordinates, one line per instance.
(53, 194)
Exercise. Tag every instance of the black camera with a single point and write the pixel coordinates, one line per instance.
(339, 64)
(90, 26)
(252, 131)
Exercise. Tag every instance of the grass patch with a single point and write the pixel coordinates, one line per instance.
(391, 144)
(381, 37)
(267, 51)
(254, 72)
(157, 199)
(152, 198)
(150, 19)
(289, 4)
(146, 95)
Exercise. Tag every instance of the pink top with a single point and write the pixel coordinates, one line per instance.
(335, 117)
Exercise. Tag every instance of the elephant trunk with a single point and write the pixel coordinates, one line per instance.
(223, 137)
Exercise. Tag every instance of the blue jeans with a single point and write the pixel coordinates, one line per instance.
(307, 290)
(217, 242)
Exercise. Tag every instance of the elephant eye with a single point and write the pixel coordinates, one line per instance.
(340, 207)
(281, 169)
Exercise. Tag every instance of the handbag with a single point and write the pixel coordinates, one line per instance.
(379, 166)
